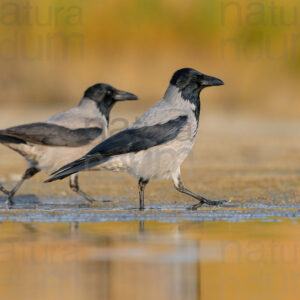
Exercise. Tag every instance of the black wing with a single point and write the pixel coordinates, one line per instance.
(50, 135)
(138, 139)
(126, 141)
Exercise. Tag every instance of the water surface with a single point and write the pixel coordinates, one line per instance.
(150, 259)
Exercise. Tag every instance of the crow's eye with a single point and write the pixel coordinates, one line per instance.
(109, 92)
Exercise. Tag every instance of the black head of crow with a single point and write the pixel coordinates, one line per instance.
(106, 96)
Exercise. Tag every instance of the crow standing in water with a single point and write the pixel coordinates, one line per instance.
(64, 137)
(156, 145)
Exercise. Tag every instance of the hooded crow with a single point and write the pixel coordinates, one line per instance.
(64, 137)
(156, 145)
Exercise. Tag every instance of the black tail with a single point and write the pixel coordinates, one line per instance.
(10, 139)
(76, 166)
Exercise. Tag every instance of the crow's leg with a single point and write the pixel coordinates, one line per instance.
(4, 190)
(30, 172)
(74, 185)
(179, 186)
(142, 185)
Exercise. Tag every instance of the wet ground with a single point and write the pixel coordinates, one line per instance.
(30, 208)
(53, 245)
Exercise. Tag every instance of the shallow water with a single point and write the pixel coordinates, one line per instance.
(150, 259)
(47, 208)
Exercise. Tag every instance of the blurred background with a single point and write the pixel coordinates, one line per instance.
(51, 51)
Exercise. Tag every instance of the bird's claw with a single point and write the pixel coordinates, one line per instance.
(207, 202)
(84, 195)
(90, 200)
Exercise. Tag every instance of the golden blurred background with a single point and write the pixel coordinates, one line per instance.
(51, 51)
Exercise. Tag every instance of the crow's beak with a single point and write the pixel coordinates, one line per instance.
(210, 81)
(122, 95)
